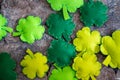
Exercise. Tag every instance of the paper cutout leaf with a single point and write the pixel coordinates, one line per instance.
(29, 29)
(87, 40)
(59, 28)
(7, 66)
(93, 13)
(63, 74)
(111, 47)
(3, 28)
(61, 53)
(34, 64)
(86, 66)
(66, 6)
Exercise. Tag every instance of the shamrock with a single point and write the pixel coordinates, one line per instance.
(34, 64)
(111, 47)
(58, 27)
(87, 40)
(66, 5)
(7, 64)
(63, 74)
(93, 12)
(60, 53)
(3, 28)
(86, 66)
(29, 29)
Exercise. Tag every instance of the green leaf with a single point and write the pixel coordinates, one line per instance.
(29, 29)
(3, 28)
(63, 74)
(60, 53)
(7, 64)
(93, 13)
(60, 28)
(66, 6)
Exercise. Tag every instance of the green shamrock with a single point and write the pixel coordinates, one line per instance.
(3, 28)
(61, 53)
(93, 13)
(60, 28)
(66, 5)
(6, 67)
(29, 29)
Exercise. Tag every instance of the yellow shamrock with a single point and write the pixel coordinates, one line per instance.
(86, 66)
(111, 47)
(87, 40)
(34, 64)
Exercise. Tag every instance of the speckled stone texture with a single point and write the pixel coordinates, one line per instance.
(15, 9)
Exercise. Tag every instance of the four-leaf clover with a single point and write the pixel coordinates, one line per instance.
(7, 65)
(34, 64)
(60, 53)
(60, 28)
(66, 73)
(86, 66)
(111, 47)
(3, 28)
(93, 13)
(66, 5)
(29, 29)
(87, 40)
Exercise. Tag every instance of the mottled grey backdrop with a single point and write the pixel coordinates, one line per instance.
(15, 9)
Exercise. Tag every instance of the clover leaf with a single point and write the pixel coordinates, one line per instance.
(66, 6)
(34, 64)
(29, 29)
(93, 13)
(86, 66)
(3, 28)
(111, 47)
(60, 53)
(7, 65)
(63, 74)
(87, 40)
(59, 28)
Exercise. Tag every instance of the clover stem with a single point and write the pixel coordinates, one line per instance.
(16, 33)
(65, 13)
(30, 53)
(8, 29)
(107, 60)
(57, 67)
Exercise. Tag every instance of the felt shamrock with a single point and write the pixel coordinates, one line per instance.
(34, 64)
(60, 53)
(7, 64)
(59, 28)
(3, 28)
(87, 40)
(111, 47)
(63, 74)
(93, 13)
(66, 6)
(86, 66)
(29, 29)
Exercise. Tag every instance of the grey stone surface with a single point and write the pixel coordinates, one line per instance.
(15, 9)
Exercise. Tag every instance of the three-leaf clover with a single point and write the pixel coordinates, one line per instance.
(111, 47)
(3, 28)
(86, 66)
(66, 5)
(93, 13)
(60, 53)
(7, 65)
(60, 28)
(34, 64)
(66, 73)
(29, 29)
(87, 40)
